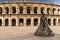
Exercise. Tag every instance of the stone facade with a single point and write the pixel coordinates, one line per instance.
(28, 13)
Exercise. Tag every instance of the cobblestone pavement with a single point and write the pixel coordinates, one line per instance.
(31, 37)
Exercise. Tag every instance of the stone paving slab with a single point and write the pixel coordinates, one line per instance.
(31, 36)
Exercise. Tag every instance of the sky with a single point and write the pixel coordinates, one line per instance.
(53, 1)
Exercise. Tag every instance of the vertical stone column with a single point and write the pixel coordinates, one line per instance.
(55, 12)
(3, 10)
(24, 10)
(32, 10)
(24, 21)
(38, 10)
(32, 22)
(57, 22)
(45, 11)
(51, 13)
(52, 22)
(3, 21)
(38, 21)
(10, 22)
(17, 22)
(17, 9)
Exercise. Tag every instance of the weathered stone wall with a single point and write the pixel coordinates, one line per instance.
(32, 15)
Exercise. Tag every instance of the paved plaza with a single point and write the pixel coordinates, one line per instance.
(31, 37)
(25, 33)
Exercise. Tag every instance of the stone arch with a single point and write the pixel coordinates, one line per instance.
(54, 21)
(54, 10)
(6, 22)
(28, 22)
(35, 22)
(21, 21)
(13, 22)
(49, 22)
(0, 10)
(35, 10)
(21, 9)
(28, 10)
(42, 10)
(48, 9)
(7, 10)
(13, 9)
(0, 22)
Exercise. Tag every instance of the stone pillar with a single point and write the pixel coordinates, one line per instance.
(32, 10)
(56, 12)
(24, 10)
(17, 22)
(38, 10)
(9, 9)
(51, 13)
(10, 22)
(32, 22)
(24, 21)
(38, 21)
(45, 11)
(17, 9)
(3, 21)
(52, 22)
(3, 10)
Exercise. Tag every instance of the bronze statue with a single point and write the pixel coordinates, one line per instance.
(43, 29)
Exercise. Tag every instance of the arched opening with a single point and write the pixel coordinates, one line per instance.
(58, 10)
(54, 10)
(0, 22)
(21, 9)
(35, 10)
(7, 10)
(28, 10)
(28, 22)
(54, 21)
(48, 9)
(59, 21)
(49, 22)
(6, 22)
(35, 22)
(42, 10)
(13, 10)
(13, 22)
(0, 10)
(21, 22)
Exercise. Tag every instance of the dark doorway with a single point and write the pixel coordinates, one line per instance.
(13, 22)
(49, 22)
(35, 22)
(21, 9)
(0, 10)
(28, 22)
(28, 10)
(6, 22)
(7, 10)
(0, 22)
(54, 10)
(13, 10)
(21, 22)
(54, 22)
(35, 10)
(42, 10)
(48, 9)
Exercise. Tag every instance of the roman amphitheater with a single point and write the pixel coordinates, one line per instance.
(26, 15)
